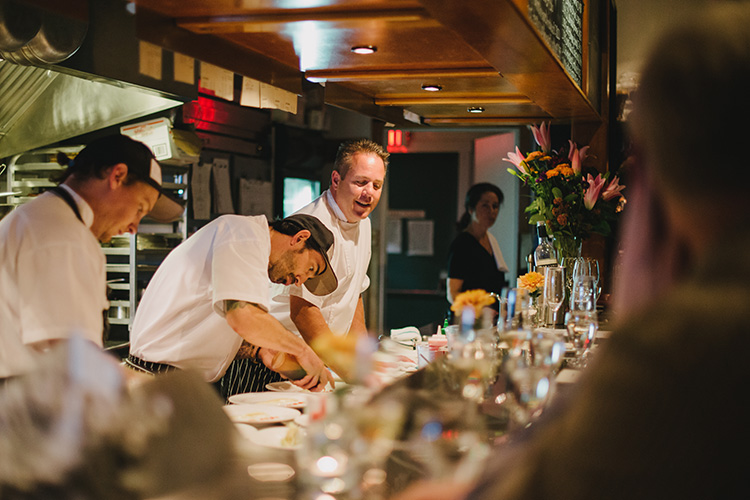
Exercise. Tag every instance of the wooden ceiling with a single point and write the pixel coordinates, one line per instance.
(482, 53)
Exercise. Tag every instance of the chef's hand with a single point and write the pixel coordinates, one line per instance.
(318, 376)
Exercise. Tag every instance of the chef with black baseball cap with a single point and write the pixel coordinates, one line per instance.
(52, 269)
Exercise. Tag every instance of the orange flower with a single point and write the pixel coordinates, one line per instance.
(532, 281)
(552, 173)
(562, 219)
(477, 299)
(534, 155)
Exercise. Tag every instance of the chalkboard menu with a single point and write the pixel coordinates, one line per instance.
(561, 24)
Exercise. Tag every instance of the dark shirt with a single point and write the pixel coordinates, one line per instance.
(469, 261)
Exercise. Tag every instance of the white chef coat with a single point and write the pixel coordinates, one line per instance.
(181, 318)
(351, 258)
(52, 278)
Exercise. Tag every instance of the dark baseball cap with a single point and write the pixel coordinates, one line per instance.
(321, 240)
(141, 163)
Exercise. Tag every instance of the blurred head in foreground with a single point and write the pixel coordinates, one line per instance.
(690, 176)
(691, 115)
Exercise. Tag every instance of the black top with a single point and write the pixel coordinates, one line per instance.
(469, 261)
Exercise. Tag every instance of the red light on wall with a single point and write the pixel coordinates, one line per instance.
(397, 141)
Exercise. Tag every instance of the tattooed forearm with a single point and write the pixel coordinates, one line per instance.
(247, 350)
(235, 304)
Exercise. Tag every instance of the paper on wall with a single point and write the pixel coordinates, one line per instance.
(200, 192)
(184, 68)
(420, 235)
(250, 92)
(217, 80)
(149, 60)
(222, 187)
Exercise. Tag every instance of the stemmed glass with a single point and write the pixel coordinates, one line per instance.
(554, 288)
(583, 294)
(587, 266)
(581, 322)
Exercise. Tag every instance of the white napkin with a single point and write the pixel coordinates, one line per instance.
(408, 334)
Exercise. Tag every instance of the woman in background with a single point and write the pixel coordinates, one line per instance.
(475, 260)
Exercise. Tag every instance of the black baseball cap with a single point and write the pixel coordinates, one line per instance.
(141, 163)
(321, 240)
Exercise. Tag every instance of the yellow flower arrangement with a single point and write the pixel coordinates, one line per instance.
(533, 282)
(478, 299)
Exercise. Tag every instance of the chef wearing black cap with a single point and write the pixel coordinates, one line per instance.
(52, 269)
(213, 291)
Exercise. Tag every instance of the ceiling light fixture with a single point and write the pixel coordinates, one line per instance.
(432, 88)
(475, 109)
(364, 49)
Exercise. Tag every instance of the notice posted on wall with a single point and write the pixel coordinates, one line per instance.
(200, 191)
(393, 236)
(420, 234)
(222, 194)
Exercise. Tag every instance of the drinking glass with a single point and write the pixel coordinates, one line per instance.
(581, 326)
(554, 288)
(515, 308)
(583, 294)
(444, 439)
(587, 266)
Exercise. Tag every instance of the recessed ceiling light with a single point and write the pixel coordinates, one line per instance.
(432, 88)
(364, 49)
(475, 109)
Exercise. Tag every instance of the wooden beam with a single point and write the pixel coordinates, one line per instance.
(485, 120)
(344, 75)
(260, 21)
(453, 99)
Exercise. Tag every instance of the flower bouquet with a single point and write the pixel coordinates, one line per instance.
(572, 201)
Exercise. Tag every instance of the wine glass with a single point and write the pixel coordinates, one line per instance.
(516, 303)
(587, 266)
(554, 288)
(583, 294)
(581, 326)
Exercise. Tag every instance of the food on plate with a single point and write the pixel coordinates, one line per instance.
(293, 436)
(289, 402)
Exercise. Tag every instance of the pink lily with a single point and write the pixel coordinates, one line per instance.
(576, 156)
(592, 193)
(613, 189)
(517, 160)
(542, 137)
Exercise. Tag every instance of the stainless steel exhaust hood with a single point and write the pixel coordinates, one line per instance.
(39, 106)
(97, 85)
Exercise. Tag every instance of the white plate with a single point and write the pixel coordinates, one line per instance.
(285, 386)
(246, 430)
(303, 420)
(270, 398)
(259, 414)
(272, 437)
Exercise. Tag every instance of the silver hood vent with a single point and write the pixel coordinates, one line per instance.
(40, 106)
(62, 77)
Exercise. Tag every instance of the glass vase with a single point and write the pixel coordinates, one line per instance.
(568, 250)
